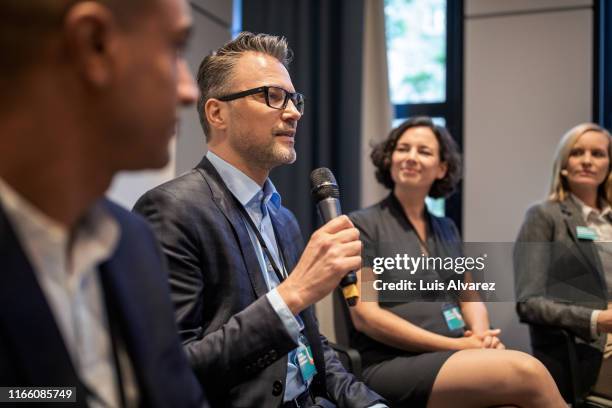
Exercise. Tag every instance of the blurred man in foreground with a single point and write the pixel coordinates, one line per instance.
(89, 88)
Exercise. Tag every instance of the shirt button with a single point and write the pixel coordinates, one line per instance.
(277, 388)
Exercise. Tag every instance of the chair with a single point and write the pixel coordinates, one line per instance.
(565, 359)
(343, 325)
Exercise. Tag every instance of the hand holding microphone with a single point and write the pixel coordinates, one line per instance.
(326, 194)
(332, 252)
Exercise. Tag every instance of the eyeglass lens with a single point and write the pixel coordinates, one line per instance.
(277, 96)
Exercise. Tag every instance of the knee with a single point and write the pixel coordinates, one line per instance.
(529, 372)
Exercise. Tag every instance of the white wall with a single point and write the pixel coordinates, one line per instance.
(528, 78)
(212, 27)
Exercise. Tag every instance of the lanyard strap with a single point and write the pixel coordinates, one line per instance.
(278, 271)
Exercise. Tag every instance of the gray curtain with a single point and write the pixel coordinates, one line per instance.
(326, 37)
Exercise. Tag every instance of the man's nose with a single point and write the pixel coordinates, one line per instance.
(291, 111)
(186, 88)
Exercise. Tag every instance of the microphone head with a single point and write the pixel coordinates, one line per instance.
(323, 184)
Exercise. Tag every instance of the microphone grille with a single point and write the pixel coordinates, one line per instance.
(323, 184)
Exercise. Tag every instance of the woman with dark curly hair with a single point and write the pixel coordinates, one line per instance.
(431, 353)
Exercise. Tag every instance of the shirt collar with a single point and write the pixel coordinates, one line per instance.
(588, 211)
(244, 188)
(94, 239)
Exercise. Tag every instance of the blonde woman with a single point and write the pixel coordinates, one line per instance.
(563, 261)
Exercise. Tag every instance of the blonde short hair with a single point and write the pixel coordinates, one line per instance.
(559, 188)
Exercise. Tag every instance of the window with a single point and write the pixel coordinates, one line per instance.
(602, 96)
(416, 47)
(424, 54)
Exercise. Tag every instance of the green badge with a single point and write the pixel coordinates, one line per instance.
(586, 233)
(453, 317)
(305, 360)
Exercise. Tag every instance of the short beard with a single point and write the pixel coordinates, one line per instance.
(267, 156)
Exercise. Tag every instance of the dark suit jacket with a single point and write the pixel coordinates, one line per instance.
(559, 281)
(235, 341)
(32, 351)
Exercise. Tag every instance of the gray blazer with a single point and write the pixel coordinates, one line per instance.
(559, 281)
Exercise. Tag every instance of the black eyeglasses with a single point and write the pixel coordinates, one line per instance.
(276, 98)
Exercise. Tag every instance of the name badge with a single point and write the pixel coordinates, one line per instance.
(305, 360)
(452, 315)
(586, 233)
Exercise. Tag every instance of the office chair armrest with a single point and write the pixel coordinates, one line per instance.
(349, 357)
(572, 355)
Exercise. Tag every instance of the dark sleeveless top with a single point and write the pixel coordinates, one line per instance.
(386, 232)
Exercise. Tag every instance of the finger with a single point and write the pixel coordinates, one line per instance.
(501, 346)
(494, 342)
(346, 235)
(349, 249)
(348, 264)
(486, 342)
(468, 333)
(492, 332)
(337, 224)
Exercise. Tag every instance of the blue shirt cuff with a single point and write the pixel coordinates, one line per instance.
(282, 310)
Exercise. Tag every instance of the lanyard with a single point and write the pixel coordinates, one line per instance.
(278, 271)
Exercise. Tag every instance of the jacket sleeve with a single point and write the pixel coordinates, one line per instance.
(236, 349)
(532, 260)
(342, 386)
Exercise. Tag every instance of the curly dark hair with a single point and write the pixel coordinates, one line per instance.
(449, 153)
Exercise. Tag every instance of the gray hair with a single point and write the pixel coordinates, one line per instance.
(216, 70)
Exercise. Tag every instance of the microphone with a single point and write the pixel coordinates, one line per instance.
(326, 194)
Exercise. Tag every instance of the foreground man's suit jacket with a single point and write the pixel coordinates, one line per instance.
(33, 353)
(234, 339)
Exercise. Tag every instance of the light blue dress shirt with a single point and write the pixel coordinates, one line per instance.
(256, 200)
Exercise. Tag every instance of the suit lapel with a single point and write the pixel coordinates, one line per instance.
(124, 319)
(27, 319)
(573, 219)
(286, 247)
(284, 231)
(227, 205)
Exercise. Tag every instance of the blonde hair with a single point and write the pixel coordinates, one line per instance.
(559, 188)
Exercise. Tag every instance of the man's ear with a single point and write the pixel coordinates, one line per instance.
(216, 113)
(90, 28)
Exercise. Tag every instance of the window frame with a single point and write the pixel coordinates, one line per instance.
(602, 64)
(452, 109)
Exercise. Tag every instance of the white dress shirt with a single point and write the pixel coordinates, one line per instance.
(66, 267)
(599, 222)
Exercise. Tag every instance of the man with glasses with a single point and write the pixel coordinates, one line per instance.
(242, 293)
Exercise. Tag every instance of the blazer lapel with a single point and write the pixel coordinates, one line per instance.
(125, 321)
(286, 246)
(573, 219)
(227, 205)
(290, 253)
(27, 318)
